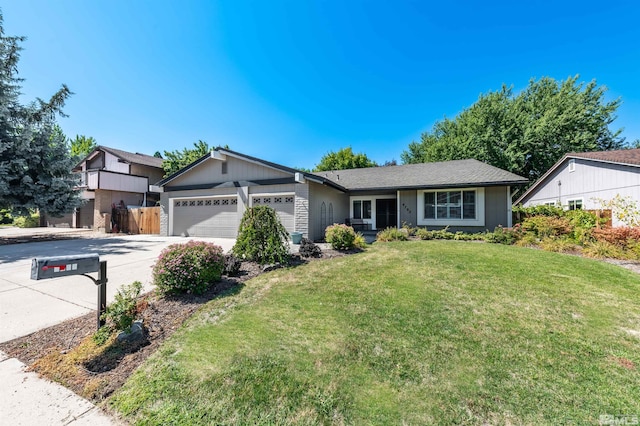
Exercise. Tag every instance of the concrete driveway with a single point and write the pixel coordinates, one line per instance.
(27, 305)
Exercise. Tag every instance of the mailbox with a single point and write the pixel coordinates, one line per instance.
(62, 266)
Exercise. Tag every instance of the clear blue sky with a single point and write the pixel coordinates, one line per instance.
(289, 81)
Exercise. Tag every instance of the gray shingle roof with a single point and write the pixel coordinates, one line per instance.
(135, 158)
(461, 173)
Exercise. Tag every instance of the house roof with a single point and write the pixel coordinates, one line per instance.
(625, 157)
(621, 156)
(310, 176)
(129, 157)
(134, 158)
(456, 173)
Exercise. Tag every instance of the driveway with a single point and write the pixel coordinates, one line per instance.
(27, 305)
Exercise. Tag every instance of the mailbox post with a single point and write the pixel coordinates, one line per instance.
(62, 266)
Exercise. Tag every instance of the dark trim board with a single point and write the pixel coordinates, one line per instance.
(228, 184)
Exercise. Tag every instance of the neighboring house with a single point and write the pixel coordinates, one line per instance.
(208, 197)
(578, 180)
(112, 176)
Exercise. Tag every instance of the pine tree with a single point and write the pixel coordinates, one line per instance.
(35, 163)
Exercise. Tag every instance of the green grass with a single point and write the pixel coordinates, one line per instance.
(436, 332)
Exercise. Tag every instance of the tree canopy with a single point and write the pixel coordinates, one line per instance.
(343, 159)
(82, 146)
(524, 133)
(175, 160)
(35, 162)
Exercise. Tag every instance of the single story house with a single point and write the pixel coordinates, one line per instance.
(111, 176)
(579, 180)
(208, 197)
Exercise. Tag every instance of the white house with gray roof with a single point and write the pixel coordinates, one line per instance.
(208, 197)
(580, 179)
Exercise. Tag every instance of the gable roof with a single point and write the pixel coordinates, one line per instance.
(625, 157)
(134, 158)
(128, 157)
(621, 156)
(456, 173)
(217, 151)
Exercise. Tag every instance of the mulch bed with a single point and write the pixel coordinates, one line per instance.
(162, 317)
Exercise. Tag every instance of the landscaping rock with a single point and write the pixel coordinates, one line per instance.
(135, 333)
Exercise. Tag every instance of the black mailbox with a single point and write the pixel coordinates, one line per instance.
(62, 266)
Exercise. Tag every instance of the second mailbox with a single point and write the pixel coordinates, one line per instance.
(62, 266)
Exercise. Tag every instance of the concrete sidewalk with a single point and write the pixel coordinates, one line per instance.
(28, 399)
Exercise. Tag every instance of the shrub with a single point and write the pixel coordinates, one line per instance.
(541, 210)
(309, 249)
(558, 245)
(411, 231)
(261, 237)
(341, 237)
(547, 226)
(502, 235)
(603, 249)
(188, 268)
(392, 234)
(620, 236)
(31, 221)
(359, 242)
(5, 217)
(120, 314)
(424, 234)
(231, 265)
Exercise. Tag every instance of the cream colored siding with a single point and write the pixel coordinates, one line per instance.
(210, 171)
(112, 164)
(336, 208)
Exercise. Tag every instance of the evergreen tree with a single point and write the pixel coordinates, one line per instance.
(35, 163)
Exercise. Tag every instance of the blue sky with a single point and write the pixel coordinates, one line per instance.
(289, 81)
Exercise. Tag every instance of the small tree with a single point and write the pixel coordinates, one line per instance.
(261, 237)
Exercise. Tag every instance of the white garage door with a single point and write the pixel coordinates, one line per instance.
(206, 217)
(282, 204)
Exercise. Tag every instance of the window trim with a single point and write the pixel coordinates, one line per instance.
(572, 165)
(480, 209)
(574, 200)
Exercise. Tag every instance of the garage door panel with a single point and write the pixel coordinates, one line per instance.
(206, 217)
(283, 205)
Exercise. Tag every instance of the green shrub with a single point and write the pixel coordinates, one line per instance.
(558, 245)
(542, 210)
(392, 234)
(411, 231)
(120, 314)
(527, 240)
(309, 249)
(232, 265)
(31, 221)
(342, 237)
(188, 268)
(502, 235)
(604, 249)
(424, 234)
(261, 237)
(359, 242)
(547, 226)
(5, 217)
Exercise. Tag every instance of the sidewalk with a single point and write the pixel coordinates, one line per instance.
(28, 399)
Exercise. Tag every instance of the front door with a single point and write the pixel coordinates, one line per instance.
(386, 213)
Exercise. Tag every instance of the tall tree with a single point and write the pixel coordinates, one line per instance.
(524, 133)
(35, 162)
(175, 160)
(343, 159)
(82, 146)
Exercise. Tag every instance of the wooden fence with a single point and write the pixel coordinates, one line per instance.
(144, 220)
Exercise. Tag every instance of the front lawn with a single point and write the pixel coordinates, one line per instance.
(433, 332)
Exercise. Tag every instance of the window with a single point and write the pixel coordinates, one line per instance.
(550, 204)
(362, 209)
(575, 204)
(572, 165)
(224, 167)
(450, 205)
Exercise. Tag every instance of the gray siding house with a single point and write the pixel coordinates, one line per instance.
(578, 180)
(208, 197)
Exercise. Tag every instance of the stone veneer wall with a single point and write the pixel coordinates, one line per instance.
(301, 220)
